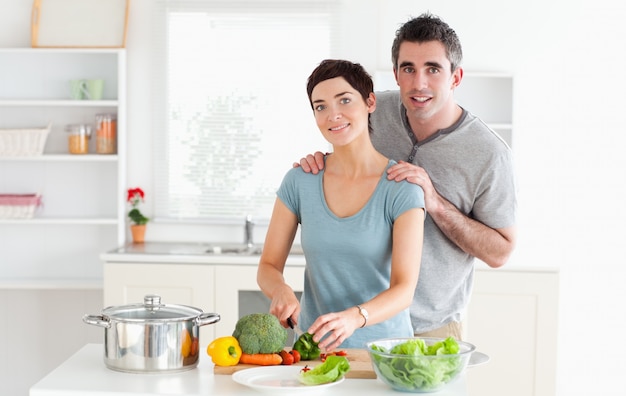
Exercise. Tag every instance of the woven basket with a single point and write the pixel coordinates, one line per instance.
(19, 206)
(23, 142)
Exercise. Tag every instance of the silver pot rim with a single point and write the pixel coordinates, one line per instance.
(152, 310)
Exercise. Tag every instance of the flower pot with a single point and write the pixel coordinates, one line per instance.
(139, 232)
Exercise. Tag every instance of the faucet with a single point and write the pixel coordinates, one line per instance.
(248, 232)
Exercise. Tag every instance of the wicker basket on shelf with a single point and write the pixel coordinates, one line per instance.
(23, 142)
(19, 206)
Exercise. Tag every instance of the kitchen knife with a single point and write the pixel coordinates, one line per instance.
(295, 328)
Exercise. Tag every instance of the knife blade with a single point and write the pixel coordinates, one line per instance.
(295, 328)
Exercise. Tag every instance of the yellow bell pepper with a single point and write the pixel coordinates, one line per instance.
(224, 351)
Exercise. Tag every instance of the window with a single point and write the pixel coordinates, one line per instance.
(231, 106)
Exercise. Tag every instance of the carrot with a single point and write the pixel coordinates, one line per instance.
(261, 359)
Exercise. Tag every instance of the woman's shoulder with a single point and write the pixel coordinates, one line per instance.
(402, 184)
(298, 176)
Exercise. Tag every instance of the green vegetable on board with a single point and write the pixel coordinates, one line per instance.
(260, 333)
(334, 368)
(307, 347)
(416, 372)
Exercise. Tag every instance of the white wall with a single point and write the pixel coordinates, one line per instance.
(567, 57)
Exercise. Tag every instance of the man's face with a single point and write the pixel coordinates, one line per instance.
(424, 77)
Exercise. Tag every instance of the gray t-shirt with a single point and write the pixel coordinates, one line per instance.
(472, 167)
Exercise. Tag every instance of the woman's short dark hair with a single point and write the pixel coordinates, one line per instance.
(353, 73)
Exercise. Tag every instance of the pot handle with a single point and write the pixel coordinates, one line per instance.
(207, 318)
(97, 320)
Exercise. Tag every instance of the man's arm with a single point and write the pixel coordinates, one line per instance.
(493, 246)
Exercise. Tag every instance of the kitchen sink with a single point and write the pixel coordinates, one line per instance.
(235, 249)
(191, 249)
(243, 249)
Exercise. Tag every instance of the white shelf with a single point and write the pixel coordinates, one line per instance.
(61, 221)
(501, 126)
(65, 158)
(58, 103)
(29, 50)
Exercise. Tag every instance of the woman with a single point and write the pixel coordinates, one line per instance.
(358, 284)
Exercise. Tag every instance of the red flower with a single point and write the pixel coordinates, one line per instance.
(135, 197)
(134, 191)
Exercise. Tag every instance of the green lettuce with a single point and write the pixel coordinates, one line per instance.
(416, 372)
(334, 368)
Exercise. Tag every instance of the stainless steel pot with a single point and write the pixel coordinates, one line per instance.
(151, 337)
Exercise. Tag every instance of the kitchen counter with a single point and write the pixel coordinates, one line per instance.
(196, 253)
(85, 374)
(185, 253)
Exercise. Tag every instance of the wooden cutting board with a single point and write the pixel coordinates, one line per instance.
(360, 365)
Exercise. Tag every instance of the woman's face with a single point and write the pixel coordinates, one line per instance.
(340, 111)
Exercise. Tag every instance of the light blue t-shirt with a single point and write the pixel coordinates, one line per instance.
(348, 260)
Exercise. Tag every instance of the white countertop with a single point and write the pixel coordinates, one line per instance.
(85, 374)
(195, 253)
(183, 253)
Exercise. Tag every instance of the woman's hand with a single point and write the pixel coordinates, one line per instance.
(285, 305)
(331, 329)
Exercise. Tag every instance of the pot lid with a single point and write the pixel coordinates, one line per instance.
(151, 310)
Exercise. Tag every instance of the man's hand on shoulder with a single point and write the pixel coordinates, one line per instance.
(312, 163)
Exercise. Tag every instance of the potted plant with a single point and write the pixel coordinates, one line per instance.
(137, 219)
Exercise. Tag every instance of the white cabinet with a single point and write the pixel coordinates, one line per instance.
(513, 317)
(83, 210)
(187, 284)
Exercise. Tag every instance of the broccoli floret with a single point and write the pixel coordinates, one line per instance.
(260, 333)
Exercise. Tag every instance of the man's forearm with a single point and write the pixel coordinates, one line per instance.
(493, 246)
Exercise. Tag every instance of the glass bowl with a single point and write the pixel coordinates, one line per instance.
(417, 373)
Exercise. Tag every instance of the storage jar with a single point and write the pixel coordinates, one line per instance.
(78, 139)
(106, 133)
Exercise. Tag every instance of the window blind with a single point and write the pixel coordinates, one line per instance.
(230, 103)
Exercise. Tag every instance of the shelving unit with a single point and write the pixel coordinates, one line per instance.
(83, 212)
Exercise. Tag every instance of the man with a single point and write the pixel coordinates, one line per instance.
(464, 168)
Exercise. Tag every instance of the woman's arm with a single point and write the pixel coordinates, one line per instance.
(280, 235)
